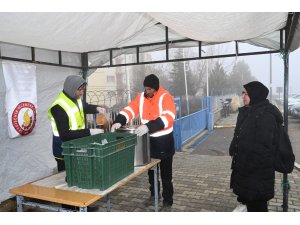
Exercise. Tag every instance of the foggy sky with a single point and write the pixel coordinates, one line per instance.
(260, 68)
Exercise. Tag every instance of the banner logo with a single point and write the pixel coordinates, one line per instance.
(24, 118)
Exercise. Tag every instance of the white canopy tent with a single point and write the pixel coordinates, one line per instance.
(30, 157)
(85, 32)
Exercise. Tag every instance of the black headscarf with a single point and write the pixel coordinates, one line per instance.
(257, 92)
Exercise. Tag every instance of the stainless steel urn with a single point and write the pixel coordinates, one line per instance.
(142, 148)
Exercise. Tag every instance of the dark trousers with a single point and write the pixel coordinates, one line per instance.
(165, 168)
(257, 206)
(60, 165)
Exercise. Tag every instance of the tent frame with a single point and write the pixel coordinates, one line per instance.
(110, 51)
(292, 22)
(33, 60)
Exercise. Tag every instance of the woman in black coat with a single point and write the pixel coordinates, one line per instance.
(252, 149)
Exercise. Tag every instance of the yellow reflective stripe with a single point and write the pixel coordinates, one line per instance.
(165, 121)
(70, 113)
(54, 128)
(170, 113)
(144, 121)
(162, 133)
(130, 110)
(59, 158)
(80, 125)
(74, 112)
(80, 104)
(141, 106)
(126, 116)
(160, 103)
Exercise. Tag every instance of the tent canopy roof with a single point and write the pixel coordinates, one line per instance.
(85, 32)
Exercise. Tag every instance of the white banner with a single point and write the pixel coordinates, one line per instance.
(20, 98)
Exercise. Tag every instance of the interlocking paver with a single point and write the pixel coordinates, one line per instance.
(201, 184)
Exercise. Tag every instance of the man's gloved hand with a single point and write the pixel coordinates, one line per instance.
(96, 131)
(114, 127)
(141, 130)
(100, 109)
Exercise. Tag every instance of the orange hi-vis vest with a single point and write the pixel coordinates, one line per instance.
(160, 105)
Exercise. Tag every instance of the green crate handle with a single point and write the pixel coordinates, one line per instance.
(82, 151)
(112, 152)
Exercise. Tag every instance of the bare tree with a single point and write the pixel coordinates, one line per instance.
(240, 75)
(197, 82)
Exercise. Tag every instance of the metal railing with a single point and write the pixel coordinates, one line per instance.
(185, 128)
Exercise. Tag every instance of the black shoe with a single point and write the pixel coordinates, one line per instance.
(92, 208)
(167, 207)
(69, 207)
(150, 200)
(168, 202)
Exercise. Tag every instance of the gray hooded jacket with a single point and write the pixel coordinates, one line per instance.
(72, 83)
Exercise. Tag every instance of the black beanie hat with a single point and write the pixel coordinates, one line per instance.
(151, 81)
(257, 92)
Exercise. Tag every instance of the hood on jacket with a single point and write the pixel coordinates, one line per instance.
(71, 84)
(276, 113)
(269, 108)
(257, 92)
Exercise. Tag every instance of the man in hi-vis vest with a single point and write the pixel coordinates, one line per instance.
(156, 108)
(67, 116)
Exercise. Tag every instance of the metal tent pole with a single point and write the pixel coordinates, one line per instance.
(285, 184)
(84, 64)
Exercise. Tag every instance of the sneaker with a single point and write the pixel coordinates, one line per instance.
(240, 208)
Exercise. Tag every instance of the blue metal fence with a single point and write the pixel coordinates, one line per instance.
(187, 127)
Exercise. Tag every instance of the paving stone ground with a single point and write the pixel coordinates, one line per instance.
(201, 181)
(201, 184)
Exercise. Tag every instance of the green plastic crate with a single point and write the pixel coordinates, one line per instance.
(89, 164)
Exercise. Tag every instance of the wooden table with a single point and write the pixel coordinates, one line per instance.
(54, 189)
